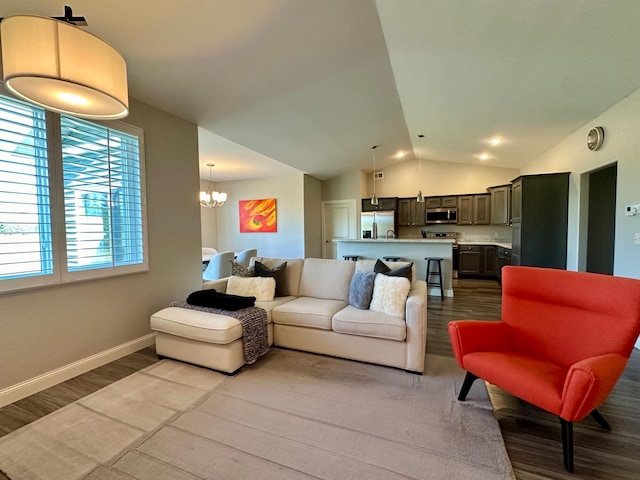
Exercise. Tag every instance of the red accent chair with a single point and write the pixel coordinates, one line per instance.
(563, 342)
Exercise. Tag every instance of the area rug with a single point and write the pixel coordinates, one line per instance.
(291, 415)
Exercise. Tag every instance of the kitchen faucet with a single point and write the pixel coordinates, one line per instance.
(393, 234)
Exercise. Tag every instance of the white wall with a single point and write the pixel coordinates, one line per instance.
(621, 145)
(289, 240)
(438, 178)
(47, 328)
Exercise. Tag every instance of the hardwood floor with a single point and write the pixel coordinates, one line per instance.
(532, 436)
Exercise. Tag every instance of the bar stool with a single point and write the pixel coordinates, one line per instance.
(351, 257)
(392, 259)
(437, 272)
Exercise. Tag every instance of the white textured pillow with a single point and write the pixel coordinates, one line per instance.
(263, 288)
(390, 295)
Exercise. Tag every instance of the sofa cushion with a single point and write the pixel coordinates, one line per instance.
(390, 295)
(262, 288)
(269, 306)
(368, 323)
(326, 278)
(307, 312)
(278, 273)
(292, 272)
(239, 270)
(197, 325)
(361, 289)
(398, 271)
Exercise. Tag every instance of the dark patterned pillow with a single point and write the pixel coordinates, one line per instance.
(278, 273)
(404, 271)
(361, 289)
(239, 270)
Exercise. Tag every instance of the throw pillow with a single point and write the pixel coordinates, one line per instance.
(404, 271)
(261, 288)
(390, 295)
(211, 299)
(239, 270)
(361, 289)
(278, 273)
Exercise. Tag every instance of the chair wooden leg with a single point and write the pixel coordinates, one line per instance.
(567, 444)
(600, 419)
(466, 386)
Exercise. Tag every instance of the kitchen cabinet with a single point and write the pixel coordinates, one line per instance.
(503, 257)
(387, 203)
(441, 202)
(540, 218)
(477, 260)
(474, 209)
(500, 205)
(470, 260)
(410, 212)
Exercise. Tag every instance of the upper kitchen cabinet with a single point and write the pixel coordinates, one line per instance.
(500, 205)
(388, 203)
(441, 202)
(540, 217)
(410, 212)
(474, 210)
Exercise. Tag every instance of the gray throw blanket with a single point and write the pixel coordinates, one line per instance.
(255, 335)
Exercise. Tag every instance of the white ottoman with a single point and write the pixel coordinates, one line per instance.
(207, 339)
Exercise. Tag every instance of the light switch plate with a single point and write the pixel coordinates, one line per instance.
(636, 238)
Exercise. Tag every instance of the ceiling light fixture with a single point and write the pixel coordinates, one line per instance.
(495, 141)
(419, 197)
(484, 156)
(53, 63)
(374, 199)
(211, 198)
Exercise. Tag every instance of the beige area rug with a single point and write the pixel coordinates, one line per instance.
(291, 415)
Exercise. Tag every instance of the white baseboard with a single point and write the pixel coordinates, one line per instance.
(41, 382)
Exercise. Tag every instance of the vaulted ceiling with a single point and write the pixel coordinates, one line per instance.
(278, 85)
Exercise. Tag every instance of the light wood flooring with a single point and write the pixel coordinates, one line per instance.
(532, 436)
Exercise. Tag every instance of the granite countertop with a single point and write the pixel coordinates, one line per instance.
(497, 243)
(399, 240)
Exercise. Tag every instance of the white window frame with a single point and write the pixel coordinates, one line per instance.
(60, 274)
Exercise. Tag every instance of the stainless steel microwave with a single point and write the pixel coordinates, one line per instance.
(441, 215)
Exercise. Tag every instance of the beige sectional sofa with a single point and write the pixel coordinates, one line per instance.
(314, 315)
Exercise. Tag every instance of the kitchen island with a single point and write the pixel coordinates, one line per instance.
(408, 250)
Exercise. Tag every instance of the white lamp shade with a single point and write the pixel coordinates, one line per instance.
(62, 68)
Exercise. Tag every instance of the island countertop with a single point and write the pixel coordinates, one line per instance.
(415, 250)
(399, 240)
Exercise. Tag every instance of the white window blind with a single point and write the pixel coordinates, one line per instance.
(25, 214)
(102, 196)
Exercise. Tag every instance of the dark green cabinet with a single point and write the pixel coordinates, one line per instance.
(474, 210)
(410, 212)
(477, 260)
(441, 202)
(540, 217)
(500, 205)
(386, 203)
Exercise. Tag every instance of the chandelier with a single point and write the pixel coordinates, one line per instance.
(210, 198)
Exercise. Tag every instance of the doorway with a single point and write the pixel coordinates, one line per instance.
(601, 220)
(338, 223)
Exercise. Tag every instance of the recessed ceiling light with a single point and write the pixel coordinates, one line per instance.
(484, 156)
(400, 154)
(495, 141)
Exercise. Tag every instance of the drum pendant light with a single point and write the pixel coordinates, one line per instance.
(55, 64)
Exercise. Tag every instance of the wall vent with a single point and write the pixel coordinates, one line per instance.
(378, 175)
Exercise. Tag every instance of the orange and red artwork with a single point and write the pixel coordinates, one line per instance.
(258, 215)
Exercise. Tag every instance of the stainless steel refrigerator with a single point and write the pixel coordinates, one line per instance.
(377, 224)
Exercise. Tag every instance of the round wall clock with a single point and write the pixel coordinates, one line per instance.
(595, 137)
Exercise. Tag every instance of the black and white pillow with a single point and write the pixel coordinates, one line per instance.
(239, 270)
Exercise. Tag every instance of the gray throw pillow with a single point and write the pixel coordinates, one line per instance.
(361, 289)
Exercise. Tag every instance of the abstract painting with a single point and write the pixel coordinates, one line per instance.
(258, 215)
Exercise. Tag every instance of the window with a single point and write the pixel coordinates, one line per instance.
(97, 172)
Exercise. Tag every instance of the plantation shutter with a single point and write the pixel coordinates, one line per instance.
(25, 214)
(102, 196)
